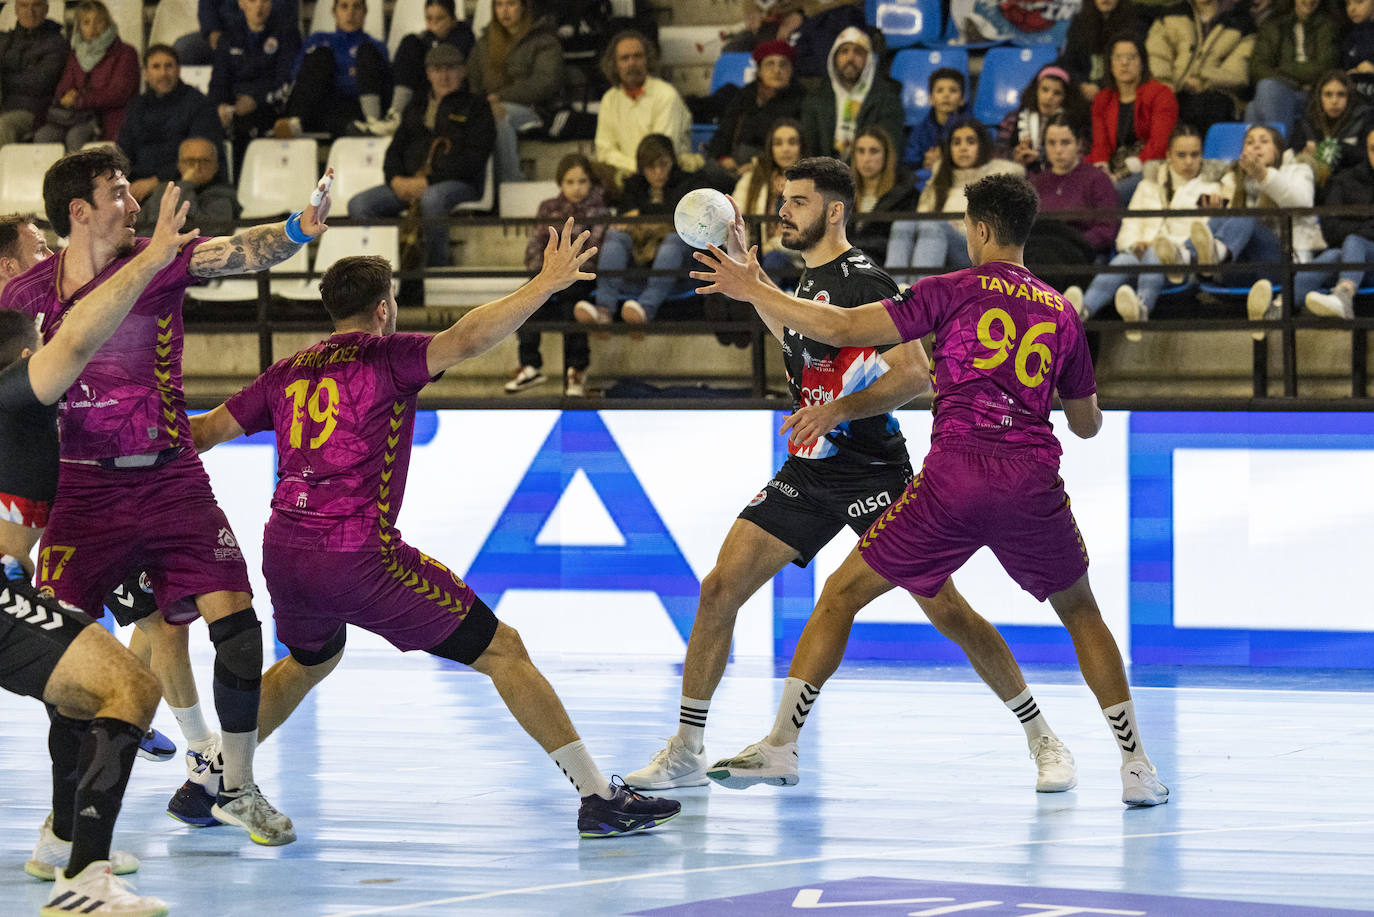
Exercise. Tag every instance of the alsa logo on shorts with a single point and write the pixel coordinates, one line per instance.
(762, 495)
(869, 504)
(229, 548)
(787, 490)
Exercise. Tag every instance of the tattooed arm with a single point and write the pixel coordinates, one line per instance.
(260, 247)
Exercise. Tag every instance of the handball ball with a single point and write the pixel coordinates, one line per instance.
(702, 217)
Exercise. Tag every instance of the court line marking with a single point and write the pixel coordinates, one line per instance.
(894, 854)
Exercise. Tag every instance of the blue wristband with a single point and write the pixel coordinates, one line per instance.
(294, 231)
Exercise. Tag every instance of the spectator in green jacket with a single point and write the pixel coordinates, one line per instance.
(1292, 51)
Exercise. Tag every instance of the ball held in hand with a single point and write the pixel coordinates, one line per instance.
(703, 217)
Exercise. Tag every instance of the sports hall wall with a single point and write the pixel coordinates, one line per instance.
(1215, 538)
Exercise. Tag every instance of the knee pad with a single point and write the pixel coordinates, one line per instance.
(238, 649)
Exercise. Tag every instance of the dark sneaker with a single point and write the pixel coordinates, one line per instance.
(192, 804)
(624, 813)
(156, 747)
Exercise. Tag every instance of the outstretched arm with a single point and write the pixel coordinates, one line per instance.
(862, 326)
(210, 429)
(483, 327)
(89, 324)
(908, 375)
(737, 246)
(260, 247)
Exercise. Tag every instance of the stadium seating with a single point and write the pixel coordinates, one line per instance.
(912, 67)
(732, 68)
(357, 164)
(197, 75)
(1225, 138)
(128, 20)
(339, 242)
(21, 175)
(278, 176)
(408, 17)
(171, 20)
(1006, 71)
(487, 202)
(906, 22)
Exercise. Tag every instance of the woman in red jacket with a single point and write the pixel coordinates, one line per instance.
(1132, 117)
(100, 79)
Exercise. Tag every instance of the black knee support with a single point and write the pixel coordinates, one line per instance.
(238, 650)
(322, 655)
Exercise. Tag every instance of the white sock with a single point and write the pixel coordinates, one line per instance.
(576, 763)
(371, 104)
(192, 723)
(400, 98)
(798, 696)
(691, 722)
(236, 748)
(1121, 719)
(1032, 720)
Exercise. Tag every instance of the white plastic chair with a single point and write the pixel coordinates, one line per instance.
(340, 242)
(357, 163)
(278, 176)
(171, 20)
(128, 20)
(408, 17)
(21, 175)
(488, 199)
(373, 24)
(522, 198)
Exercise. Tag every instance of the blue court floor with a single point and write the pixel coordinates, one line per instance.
(413, 792)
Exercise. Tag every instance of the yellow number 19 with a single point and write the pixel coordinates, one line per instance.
(326, 390)
(1003, 345)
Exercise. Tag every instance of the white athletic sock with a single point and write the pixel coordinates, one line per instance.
(236, 748)
(691, 722)
(371, 104)
(400, 98)
(576, 763)
(1032, 720)
(1121, 718)
(192, 723)
(797, 698)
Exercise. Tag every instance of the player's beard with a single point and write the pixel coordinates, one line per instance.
(125, 249)
(806, 236)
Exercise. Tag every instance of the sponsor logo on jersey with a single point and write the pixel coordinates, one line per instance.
(822, 296)
(870, 504)
(762, 495)
(787, 490)
(816, 395)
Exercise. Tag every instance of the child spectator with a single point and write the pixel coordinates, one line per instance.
(1021, 136)
(946, 87)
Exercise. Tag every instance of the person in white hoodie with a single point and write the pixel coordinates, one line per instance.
(858, 96)
(1176, 183)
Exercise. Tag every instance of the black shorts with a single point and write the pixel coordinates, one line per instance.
(810, 500)
(35, 631)
(132, 600)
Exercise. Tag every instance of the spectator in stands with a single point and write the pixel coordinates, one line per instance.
(759, 193)
(31, 60)
(637, 104)
(1292, 51)
(883, 185)
(438, 157)
(1357, 47)
(1070, 183)
(22, 245)
(966, 155)
(1264, 176)
(581, 197)
(772, 95)
(441, 25)
(765, 20)
(343, 81)
(252, 74)
(214, 203)
(856, 96)
(1176, 183)
(1088, 45)
(100, 79)
(197, 49)
(1351, 239)
(1331, 135)
(162, 116)
(1021, 135)
(1133, 117)
(948, 104)
(1201, 50)
(654, 190)
(815, 37)
(518, 65)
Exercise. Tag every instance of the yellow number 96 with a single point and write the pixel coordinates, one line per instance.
(1002, 346)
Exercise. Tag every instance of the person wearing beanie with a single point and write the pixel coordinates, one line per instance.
(772, 96)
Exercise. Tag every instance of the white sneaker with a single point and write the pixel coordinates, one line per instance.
(674, 766)
(526, 377)
(1131, 309)
(1054, 766)
(1258, 303)
(575, 383)
(758, 763)
(1208, 251)
(1169, 253)
(250, 810)
(633, 313)
(1331, 305)
(588, 314)
(1140, 785)
(1074, 295)
(96, 890)
(51, 853)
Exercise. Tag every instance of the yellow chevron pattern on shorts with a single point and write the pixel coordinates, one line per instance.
(882, 521)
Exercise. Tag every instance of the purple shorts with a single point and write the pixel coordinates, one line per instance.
(962, 501)
(106, 523)
(411, 600)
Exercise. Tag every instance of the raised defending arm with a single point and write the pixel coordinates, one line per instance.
(260, 247)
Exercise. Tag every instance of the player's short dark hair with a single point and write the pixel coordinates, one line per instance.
(10, 224)
(161, 48)
(1007, 203)
(17, 331)
(73, 178)
(947, 73)
(354, 285)
(832, 179)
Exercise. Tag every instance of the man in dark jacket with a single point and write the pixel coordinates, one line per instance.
(214, 202)
(31, 62)
(438, 156)
(252, 73)
(867, 97)
(217, 17)
(166, 113)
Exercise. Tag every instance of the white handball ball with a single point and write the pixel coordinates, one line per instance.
(702, 217)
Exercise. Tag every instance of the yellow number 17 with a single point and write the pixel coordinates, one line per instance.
(1003, 345)
(326, 390)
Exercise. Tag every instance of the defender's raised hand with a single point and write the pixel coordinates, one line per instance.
(736, 279)
(167, 238)
(313, 217)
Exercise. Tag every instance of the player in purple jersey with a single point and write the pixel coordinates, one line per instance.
(100, 698)
(344, 413)
(1005, 342)
(132, 490)
(847, 464)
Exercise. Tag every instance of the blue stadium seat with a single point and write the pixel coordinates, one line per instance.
(732, 67)
(912, 68)
(1225, 138)
(906, 22)
(1006, 71)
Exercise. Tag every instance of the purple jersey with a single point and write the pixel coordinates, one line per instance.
(1004, 342)
(344, 413)
(128, 400)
